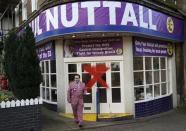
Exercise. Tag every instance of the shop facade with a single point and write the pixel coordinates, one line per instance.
(130, 45)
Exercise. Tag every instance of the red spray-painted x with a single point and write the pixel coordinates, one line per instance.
(97, 73)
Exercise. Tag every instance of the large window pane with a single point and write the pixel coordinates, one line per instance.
(163, 76)
(47, 80)
(72, 68)
(47, 94)
(88, 98)
(139, 93)
(42, 67)
(156, 90)
(53, 66)
(148, 63)
(138, 78)
(43, 80)
(162, 63)
(138, 63)
(47, 66)
(43, 93)
(116, 95)
(103, 77)
(148, 77)
(102, 95)
(86, 77)
(115, 79)
(85, 65)
(115, 66)
(156, 63)
(54, 95)
(163, 88)
(149, 92)
(53, 80)
(156, 77)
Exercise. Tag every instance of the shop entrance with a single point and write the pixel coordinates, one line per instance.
(111, 98)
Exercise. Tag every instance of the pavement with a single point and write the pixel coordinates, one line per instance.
(174, 120)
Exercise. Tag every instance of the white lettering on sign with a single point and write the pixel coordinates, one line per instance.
(52, 18)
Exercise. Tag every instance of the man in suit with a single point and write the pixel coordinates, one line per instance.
(76, 91)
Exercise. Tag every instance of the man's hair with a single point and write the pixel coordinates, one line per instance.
(77, 75)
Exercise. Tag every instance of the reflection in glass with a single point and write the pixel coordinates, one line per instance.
(115, 66)
(54, 95)
(43, 93)
(47, 94)
(42, 67)
(156, 90)
(163, 76)
(86, 78)
(102, 95)
(149, 93)
(139, 93)
(47, 80)
(162, 63)
(156, 63)
(148, 62)
(148, 77)
(88, 98)
(115, 79)
(43, 80)
(47, 66)
(72, 68)
(53, 80)
(116, 95)
(163, 88)
(103, 77)
(156, 77)
(138, 63)
(85, 65)
(53, 66)
(138, 78)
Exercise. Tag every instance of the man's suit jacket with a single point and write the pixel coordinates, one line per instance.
(76, 92)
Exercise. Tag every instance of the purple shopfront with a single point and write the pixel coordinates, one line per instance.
(133, 42)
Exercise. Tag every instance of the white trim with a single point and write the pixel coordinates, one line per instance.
(50, 102)
(159, 97)
(93, 59)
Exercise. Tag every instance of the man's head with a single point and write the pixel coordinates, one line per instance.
(76, 78)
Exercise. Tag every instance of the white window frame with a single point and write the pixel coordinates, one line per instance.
(168, 91)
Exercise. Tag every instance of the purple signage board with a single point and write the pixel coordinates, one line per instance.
(149, 47)
(106, 16)
(46, 52)
(93, 47)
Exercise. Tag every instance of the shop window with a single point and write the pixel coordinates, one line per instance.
(49, 82)
(148, 63)
(139, 93)
(138, 63)
(72, 68)
(163, 88)
(115, 66)
(54, 95)
(116, 95)
(102, 95)
(150, 77)
(138, 78)
(115, 79)
(156, 90)
(103, 77)
(149, 92)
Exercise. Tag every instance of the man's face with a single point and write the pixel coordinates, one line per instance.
(77, 79)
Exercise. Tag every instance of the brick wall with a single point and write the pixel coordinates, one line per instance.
(25, 117)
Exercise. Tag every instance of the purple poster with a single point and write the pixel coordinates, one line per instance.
(46, 52)
(93, 47)
(148, 47)
(107, 16)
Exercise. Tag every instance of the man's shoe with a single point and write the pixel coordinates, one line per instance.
(80, 125)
